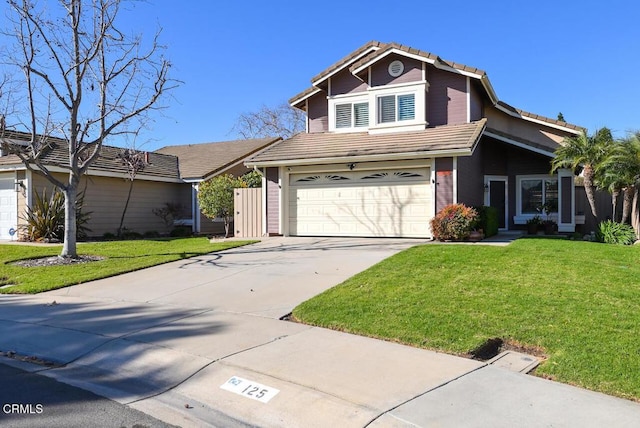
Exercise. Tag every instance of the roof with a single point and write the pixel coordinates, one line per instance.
(201, 161)
(319, 147)
(57, 155)
(373, 51)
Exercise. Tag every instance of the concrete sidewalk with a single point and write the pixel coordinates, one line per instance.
(199, 343)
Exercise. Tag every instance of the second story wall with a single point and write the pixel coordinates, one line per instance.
(318, 113)
(447, 97)
(380, 71)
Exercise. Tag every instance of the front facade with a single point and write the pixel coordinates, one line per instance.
(170, 176)
(393, 135)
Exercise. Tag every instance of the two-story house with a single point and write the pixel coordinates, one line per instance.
(393, 135)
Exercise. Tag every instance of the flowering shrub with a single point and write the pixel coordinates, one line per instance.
(454, 222)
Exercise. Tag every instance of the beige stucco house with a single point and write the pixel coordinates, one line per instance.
(170, 175)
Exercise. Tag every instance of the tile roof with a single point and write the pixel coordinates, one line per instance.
(200, 161)
(305, 147)
(538, 117)
(160, 165)
(385, 48)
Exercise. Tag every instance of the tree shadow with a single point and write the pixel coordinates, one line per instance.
(119, 349)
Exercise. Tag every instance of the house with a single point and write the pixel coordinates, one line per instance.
(169, 177)
(200, 162)
(393, 135)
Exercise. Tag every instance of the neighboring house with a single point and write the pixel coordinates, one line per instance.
(166, 178)
(393, 135)
(200, 162)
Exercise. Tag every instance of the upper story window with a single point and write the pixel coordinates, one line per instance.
(396, 108)
(352, 115)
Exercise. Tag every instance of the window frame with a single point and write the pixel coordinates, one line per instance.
(543, 178)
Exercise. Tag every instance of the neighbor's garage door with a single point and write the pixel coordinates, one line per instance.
(8, 206)
(388, 203)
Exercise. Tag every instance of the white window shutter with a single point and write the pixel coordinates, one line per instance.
(406, 107)
(387, 109)
(343, 115)
(361, 114)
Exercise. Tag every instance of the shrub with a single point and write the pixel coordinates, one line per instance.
(487, 220)
(45, 217)
(611, 232)
(180, 232)
(454, 222)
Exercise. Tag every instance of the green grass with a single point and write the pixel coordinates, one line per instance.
(577, 301)
(120, 257)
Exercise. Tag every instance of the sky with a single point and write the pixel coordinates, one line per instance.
(581, 58)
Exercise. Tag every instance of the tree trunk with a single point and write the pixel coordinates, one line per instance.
(124, 211)
(614, 203)
(227, 223)
(589, 189)
(635, 213)
(69, 245)
(627, 201)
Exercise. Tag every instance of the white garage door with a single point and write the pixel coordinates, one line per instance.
(388, 203)
(8, 206)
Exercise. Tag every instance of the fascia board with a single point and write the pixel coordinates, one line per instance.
(538, 121)
(345, 65)
(296, 101)
(364, 158)
(110, 174)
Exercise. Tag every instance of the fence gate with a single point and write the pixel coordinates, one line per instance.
(247, 208)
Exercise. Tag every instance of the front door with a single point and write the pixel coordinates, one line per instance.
(497, 197)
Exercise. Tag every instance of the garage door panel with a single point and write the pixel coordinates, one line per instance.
(385, 203)
(8, 206)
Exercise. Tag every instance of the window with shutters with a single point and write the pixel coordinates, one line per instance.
(352, 115)
(396, 108)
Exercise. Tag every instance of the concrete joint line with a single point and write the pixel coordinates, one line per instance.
(424, 393)
(275, 339)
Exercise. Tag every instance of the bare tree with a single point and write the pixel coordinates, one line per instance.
(135, 161)
(84, 80)
(280, 121)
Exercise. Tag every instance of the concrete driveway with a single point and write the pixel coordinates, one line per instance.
(199, 343)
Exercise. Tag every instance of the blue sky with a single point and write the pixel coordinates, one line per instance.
(578, 58)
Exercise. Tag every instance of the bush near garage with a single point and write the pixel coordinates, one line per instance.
(454, 222)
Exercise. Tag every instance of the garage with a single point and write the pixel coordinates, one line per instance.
(8, 205)
(381, 203)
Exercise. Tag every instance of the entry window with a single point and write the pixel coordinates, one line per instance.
(535, 193)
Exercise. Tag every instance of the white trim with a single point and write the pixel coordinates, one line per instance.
(283, 186)
(306, 122)
(519, 216)
(361, 166)
(365, 158)
(345, 65)
(295, 101)
(422, 58)
(454, 167)
(468, 99)
(487, 195)
(415, 85)
(265, 226)
(518, 144)
(571, 226)
(538, 121)
(329, 87)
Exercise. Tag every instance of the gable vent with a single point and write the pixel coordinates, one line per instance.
(396, 68)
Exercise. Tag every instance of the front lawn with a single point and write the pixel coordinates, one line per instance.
(120, 257)
(578, 302)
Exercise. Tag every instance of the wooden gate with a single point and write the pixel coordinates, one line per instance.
(247, 208)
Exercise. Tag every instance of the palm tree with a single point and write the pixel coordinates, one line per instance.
(586, 152)
(623, 166)
(620, 172)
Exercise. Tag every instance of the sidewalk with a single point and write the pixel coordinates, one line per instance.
(199, 343)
